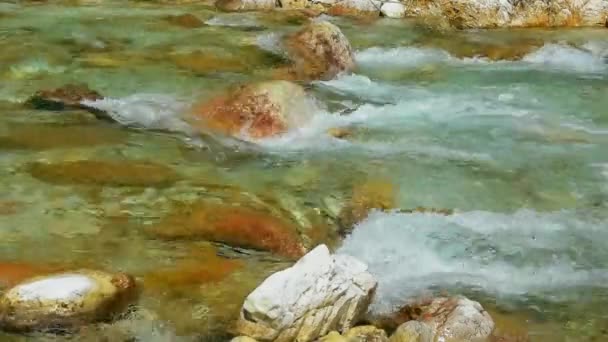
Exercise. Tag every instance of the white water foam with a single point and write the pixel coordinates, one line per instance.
(590, 58)
(151, 111)
(523, 253)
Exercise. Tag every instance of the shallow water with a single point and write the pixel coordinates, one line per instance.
(516, 147)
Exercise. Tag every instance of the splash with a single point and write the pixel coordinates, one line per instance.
(151, 111)
(518, 254)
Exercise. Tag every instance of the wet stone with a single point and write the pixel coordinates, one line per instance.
(65, 301)
(110, 173)
(233, 225)
(185, 20)
(66, 97)
(41, 137)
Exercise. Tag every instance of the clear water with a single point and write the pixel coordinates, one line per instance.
(516, 148)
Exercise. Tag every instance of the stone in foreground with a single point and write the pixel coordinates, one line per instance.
(320, 51)
(65, 300)
(447, 319)
(366, 333)
(320, 293)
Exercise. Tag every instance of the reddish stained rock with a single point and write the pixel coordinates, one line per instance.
(66, 97)
(255, 110)
(320, 51)
(233, 225)
(97, 172)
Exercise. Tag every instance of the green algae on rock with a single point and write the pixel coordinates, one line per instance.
(111, 173)
(45, 136)
(65, 300)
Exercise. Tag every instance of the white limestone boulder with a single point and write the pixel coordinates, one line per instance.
(393, 9)
(65, 300)
(320, 293)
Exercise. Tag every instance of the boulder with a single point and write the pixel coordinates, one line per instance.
(65, 300)
(320, 293)
(356, 8)
(320, 51)
(446, 319)
(243, 339)
(254, 111)
(245, 5)
(393, 10)
(413, 331)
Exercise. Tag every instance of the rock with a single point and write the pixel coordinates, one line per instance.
(366, 333)
(320, 293)
(446, 319)
(413, 331)
(320, 51)
(243, 339)
(256, 110)
(458, 318)
(66, 300)
(245, 5)
(366, 196)
(393, 10)
(110, 173)
(45, 136)
(233, 225)
(524, 13)
(67, 97)
(185, 20)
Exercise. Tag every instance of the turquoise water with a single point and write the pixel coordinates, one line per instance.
(517, 148)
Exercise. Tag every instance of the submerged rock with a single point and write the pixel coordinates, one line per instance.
(256, 110)
(66, 300)
(366, 196)
(233, 225)
(67, 97)
(185, 20)
(320, 293)
(41, 137)
(446, 319)
(98, 172)
(320, 51)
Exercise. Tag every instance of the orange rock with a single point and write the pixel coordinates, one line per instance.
(12, 273)
(185, 20)
(256, 110)
(97, 172)
(233, 225)
(370, 195)
(66, 97)
(39, 137)
(320, 51)
(206, 62)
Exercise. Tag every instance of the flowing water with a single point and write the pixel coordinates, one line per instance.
(515, 143)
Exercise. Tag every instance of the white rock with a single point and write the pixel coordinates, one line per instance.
(459, 318)
(318, 294)
(393, 10)
(65, 300)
